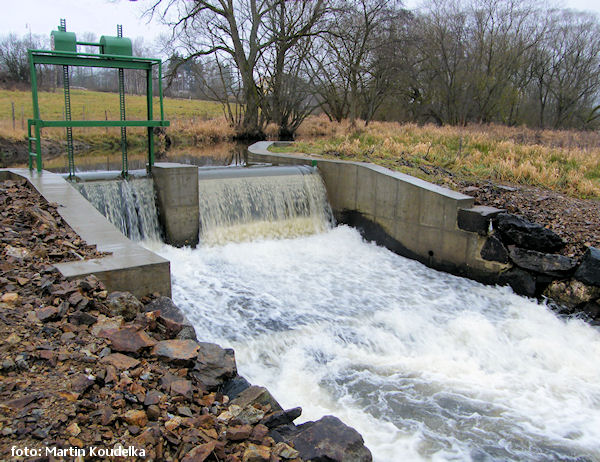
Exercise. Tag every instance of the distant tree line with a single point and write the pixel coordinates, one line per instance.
(449, 62)
(14, 66)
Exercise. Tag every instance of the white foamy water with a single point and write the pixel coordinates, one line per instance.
(246, 208)
(425, 365)
(129, 205)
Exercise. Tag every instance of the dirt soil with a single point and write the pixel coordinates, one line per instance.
(577, 221)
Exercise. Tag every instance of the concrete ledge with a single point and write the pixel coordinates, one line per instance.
(408, 215)
(177, 200)
(130, 267)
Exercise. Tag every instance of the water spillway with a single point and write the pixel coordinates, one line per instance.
(129, 205)
(261, 202)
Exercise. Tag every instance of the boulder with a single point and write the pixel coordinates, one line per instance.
(214, 365)
(124, 304)
(571, 293)
(120, 361)
(172, 318)
(200, 453)
(494, 250)
(279, 418)
(589, 269)
(128, 339)
(592, 309)
(521, 281)
(514, 229)
(256, 395)
(477, 219)
(176, 351)
(328, 439)
(233, 387)
(544, 263)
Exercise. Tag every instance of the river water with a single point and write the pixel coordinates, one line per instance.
(425, 365)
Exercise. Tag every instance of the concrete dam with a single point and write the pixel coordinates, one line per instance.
(424, 364)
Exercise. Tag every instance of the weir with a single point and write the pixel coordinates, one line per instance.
(425, 365)
(252, 203)
(129, 205)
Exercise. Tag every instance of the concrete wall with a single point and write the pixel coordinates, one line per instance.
(410, 216)
(176, 188)
(130, 267)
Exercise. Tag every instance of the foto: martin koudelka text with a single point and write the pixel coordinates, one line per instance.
(92, 451)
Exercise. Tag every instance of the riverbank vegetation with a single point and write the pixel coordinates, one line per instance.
(563, 160)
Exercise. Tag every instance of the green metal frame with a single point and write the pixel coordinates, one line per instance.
(65, 58)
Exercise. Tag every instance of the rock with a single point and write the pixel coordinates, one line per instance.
(172, 318)
(173, 423)
(592, 309)
(279, 418)
(550, 264)
(214, 365)
(250, 415)
(10, 298)
(81, 317)
(285, 452)
(81, 382)
(128, 339)
(182, 387)
(233, 387)
(589, 269)
(522, 282)
(177, 351)
(494, 250)
(48, 313)
(106, 324)
(20, 403)
(256, 395)
(120, 361)
(514, 229)
(328, 439)
(185, 411)
(477, 219)
(136, 417)
(111, 374)
(238, 433)
(124, 304)
(200, 453)
(255, 453)
(152, 397)
(571, 293)
(73, 429)
(153, 412)
(259, 432)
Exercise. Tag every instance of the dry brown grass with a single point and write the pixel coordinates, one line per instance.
(566, 161)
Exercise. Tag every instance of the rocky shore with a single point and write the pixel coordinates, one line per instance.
(550, 242)
(88, 374)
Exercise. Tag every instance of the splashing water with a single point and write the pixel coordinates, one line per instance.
(129, 205)
(245, 208)
(425, 365)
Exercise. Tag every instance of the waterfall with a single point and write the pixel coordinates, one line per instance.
(129, 205)
(256, 203)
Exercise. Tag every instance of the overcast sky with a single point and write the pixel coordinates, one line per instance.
(102, 16)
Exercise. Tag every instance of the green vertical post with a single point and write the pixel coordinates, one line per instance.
(160, 91)
(150, 117)
(125, 162)
(36, 113)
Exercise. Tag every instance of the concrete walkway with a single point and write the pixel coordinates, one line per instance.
(130, 268)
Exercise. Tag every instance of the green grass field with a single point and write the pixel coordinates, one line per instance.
(95, 105)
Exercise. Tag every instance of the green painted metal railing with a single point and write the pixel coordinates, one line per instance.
(73, 58)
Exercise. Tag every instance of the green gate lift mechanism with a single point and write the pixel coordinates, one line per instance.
(115, 53)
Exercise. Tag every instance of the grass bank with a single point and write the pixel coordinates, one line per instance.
(565, 161)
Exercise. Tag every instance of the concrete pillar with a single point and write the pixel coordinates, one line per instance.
(177, 200)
